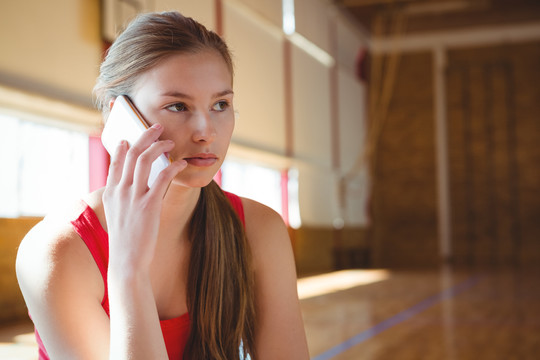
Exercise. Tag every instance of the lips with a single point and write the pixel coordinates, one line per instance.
(202, 160)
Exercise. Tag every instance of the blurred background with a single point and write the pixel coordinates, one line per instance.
(389, 134)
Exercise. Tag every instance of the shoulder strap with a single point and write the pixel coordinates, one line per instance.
(89, 228)
(237, 205)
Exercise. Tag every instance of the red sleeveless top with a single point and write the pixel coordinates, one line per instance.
(175, 331)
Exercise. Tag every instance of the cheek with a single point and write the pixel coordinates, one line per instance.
(227, 131)
(229, 124)
(169, 133)
(178, 134)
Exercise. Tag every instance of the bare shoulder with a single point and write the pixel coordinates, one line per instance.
(258, 215)
(280, 333)
(265, 230)
(54, 235)
(62, 287)
(50, 238)
(51, 248)
(94, 200)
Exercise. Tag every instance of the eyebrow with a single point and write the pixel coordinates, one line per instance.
(178, 94)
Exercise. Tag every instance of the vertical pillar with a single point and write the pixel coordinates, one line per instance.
(219, 16)
(285, 196)
(288, 101)
(441, 149)
(334, 97)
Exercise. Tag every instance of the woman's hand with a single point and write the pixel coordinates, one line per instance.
(132, 210)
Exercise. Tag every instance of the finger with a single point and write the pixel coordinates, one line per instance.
(147, 138)
(117, 163)
(160, 186)
(144, 163)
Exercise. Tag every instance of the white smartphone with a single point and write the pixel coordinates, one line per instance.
(126, 123)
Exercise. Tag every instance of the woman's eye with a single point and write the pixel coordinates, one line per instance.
(178, 107)
(221, 106)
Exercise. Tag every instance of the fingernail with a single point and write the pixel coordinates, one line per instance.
(156, 126)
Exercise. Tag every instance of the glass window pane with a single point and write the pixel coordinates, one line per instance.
(43, 167)
(253, 181)
(9, 163)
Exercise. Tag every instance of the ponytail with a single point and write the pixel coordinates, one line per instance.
(220, 281)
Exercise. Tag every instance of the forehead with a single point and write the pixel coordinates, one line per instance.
(200, 70)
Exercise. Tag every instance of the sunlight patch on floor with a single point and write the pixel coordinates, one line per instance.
(317, 285)
(23, 347)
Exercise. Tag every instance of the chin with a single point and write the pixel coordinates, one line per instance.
(192, 181)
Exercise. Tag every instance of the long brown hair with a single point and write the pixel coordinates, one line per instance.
(220, 295)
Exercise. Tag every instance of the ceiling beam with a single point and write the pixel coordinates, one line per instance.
(423, 8)
(466, 37)
(362, 3)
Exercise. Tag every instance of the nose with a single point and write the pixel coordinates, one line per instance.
(203, 128)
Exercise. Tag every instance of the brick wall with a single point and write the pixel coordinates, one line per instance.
(493, 100)
(404, 231)
(494, 131)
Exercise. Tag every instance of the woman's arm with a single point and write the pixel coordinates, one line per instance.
(63, 289)
(280, 330)
(62, 285)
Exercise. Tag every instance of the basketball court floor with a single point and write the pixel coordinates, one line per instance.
(378, 314)
(436, 315)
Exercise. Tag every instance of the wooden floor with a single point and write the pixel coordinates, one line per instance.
(440, 315)
(401, 315)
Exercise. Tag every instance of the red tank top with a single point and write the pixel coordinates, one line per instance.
(175, 331)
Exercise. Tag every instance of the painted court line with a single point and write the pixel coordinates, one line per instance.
(398, 318)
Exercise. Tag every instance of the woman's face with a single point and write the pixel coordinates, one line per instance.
(191, 96)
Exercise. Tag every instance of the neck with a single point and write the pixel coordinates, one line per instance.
(178, 206)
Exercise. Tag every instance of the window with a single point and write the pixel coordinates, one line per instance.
(288, 17)
(271, 187)
(42, 166)
(252, 181)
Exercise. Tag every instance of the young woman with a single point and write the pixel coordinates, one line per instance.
(180, 270)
